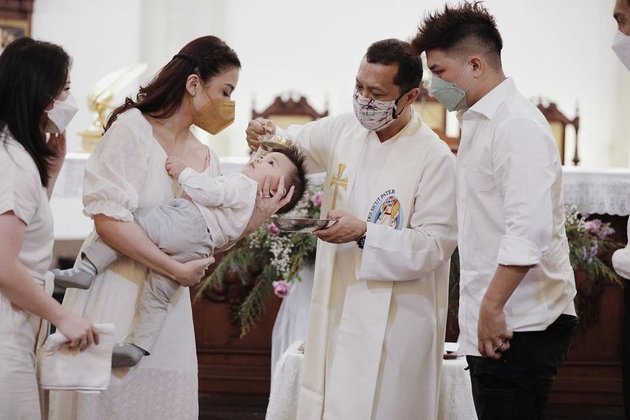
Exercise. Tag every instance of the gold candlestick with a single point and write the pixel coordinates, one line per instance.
(100, 101)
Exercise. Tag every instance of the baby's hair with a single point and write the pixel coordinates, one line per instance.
(296, 178)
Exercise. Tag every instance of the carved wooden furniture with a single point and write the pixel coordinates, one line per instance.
(15, 20)
(229, 365)
(589, 385)
(284, 112)
(559, 122)
(435, 115)
(235, 372)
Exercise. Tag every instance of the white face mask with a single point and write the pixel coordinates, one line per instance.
(61, 114)
(621, 47)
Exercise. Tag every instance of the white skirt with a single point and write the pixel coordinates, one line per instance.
(164, 384)
(292, 319)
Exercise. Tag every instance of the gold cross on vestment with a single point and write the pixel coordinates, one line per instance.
(338, 181)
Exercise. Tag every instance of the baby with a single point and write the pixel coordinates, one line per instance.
(217, 213)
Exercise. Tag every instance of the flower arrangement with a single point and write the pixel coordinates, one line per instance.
(269, 260)
(589, 240)
(589, 243)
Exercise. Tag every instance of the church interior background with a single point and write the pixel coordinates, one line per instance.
(556, 51)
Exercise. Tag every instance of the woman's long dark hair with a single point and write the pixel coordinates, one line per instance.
(207, 57)
(32, 74)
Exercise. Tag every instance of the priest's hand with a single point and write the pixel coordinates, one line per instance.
(348, 228)
(256, 128)
(268, 202)
(493, 336)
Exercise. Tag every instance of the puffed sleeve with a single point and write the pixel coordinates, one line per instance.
(621, 259)
(21, 188)
(116, 172)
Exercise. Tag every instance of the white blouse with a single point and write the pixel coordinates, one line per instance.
(621, 259)
(21, 191)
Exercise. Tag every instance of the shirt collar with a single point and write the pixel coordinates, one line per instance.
(490, 103)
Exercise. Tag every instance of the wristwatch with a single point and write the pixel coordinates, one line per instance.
(361, 242)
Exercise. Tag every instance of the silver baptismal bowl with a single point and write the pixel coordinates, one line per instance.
(287, 224)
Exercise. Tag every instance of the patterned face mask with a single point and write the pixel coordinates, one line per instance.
(373, 114)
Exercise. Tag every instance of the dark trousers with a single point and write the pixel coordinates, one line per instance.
(517, 385)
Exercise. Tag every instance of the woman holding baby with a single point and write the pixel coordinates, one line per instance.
(126, 173)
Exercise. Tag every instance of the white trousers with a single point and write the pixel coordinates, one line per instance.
(19, 393)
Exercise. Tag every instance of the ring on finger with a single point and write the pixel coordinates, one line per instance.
(499, 347)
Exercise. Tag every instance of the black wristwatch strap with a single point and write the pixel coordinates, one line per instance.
(361, 242)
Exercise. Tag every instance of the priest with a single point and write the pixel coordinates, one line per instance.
(378, 312)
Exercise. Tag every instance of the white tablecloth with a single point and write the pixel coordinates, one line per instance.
(602, 191)
(292, 319)
(455, 392)
(456, 402)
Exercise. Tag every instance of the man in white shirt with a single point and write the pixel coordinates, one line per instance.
(516, 313)
(621, 47)
(621, 257)
(378, 311)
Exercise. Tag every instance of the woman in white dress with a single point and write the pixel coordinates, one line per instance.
(34, 86)
(126, 173)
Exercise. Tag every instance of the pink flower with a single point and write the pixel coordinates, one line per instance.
(273, 229)
(317, 199)
(605, 232)
(593, 226)
(280, 288)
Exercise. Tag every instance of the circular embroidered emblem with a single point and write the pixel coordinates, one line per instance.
(386, 210)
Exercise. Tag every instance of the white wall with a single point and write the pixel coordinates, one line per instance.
(100, 36)
(559, 49)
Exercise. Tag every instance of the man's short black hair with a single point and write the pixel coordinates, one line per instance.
(395, 51)
(297, 177)
(468, 28)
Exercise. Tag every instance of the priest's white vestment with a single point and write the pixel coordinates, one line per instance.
(378, 315)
